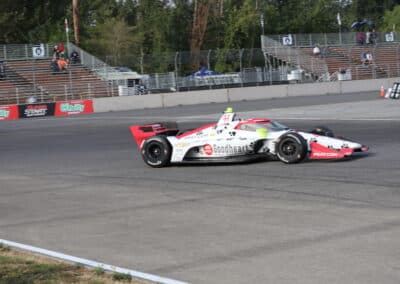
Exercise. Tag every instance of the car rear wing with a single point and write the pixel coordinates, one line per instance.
(142, 132)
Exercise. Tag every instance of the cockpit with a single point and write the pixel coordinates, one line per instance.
(270, 126)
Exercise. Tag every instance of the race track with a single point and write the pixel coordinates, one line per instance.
(78, 185)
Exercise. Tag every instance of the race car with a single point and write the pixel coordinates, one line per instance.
(233, 139)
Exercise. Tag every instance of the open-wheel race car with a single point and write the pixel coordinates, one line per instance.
(232, 139)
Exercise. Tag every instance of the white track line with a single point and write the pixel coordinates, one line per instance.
(91, 263)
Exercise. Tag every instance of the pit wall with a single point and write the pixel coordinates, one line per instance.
(239, 94)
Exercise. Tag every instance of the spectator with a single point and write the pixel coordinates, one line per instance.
(2, 69)
(316, 50)
(75, 58)
(324, 52)
(368, 37)
(366, 58)
(373, 37)
(59, 61)
(60, 47)
(363, 58)
(369, 58)
(62, 62)
(54, 59)
(360, 38)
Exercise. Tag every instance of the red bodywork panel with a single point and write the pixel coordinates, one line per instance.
(319, 152)
(142, 132)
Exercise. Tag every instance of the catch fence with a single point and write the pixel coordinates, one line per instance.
(26, 74)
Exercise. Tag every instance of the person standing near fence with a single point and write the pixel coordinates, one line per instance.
(2, 69)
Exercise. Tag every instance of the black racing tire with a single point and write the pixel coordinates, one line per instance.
(291, 148)
(322, 130)
(156, 152)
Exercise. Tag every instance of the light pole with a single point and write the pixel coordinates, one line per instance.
(339, 21)
(67, 33)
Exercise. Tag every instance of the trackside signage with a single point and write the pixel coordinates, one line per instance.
(8, 112)
(74, 107)
(36, 110)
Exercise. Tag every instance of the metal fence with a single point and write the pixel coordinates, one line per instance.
(327, 39)
(29, 75)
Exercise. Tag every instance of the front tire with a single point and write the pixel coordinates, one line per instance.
(291, 148)
(156, 152)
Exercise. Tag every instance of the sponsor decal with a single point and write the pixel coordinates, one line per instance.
(67, 107)
(227, 118)
(233, 149)
(208, 149)
(325, 155)
(36, 110)
(74, 107)
(9, 112)
(4, 113)
(181, 145)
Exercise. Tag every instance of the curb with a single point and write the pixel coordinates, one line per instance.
(91, 263)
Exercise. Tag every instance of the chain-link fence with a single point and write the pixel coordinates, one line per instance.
(25, 69)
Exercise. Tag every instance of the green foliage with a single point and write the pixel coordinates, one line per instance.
(18, 270)
(31, 21)
(112, 38)
(121, 277)
(391, 19)
(242, 28)
(227, 61)
(372, 10)
(99, 271)
(115, 29)
(4, 247)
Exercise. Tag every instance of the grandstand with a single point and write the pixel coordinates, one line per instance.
(75, 83)
(337, 56)
(30, 77)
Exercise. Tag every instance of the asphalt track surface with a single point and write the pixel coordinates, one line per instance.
(77, 185)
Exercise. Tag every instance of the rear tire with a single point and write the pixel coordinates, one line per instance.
(291, 148)
(156, 152)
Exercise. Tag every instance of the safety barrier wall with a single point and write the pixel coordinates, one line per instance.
(239, 94)
(12, 112)
(195, 97)
(35, 110)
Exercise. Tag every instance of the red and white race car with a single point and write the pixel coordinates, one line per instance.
(235, 139)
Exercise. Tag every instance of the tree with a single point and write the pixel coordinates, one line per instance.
(112, 39)
(391, 19)
(75, 14)
(24, 21)
(242, 26)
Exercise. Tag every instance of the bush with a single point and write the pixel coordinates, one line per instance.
(121, 276)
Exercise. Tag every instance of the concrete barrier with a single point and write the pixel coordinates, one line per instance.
(313, 89)
(127, 103)
(195, 97)
(257, 93)
(239, 94)
(363, 85)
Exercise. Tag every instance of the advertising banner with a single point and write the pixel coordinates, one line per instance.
(38, 51)
(8, 112)
(74, 107)
(36, 110)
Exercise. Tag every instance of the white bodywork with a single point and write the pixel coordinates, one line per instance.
(232, 137)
